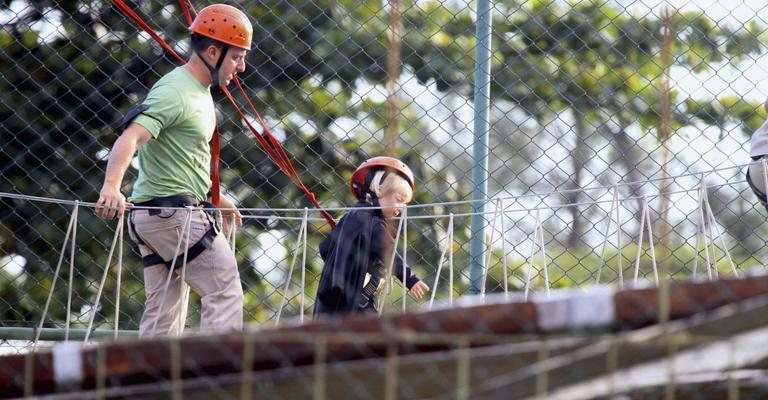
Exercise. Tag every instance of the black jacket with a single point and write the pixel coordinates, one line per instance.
(361, 242)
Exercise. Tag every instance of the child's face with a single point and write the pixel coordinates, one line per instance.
(392, 202)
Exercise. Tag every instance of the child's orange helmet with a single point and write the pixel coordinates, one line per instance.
(359, 184)
(224, 23)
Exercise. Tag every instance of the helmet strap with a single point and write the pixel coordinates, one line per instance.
(215, 70)
(367, 191)
(373, 200)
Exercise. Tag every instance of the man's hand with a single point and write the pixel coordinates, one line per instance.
(419, 289)
(229, 212)
(111, 203)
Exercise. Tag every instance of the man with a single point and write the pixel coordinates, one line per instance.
(171, 130)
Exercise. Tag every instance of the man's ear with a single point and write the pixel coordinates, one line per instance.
(212, 52)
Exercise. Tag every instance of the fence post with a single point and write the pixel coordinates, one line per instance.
(480, 146)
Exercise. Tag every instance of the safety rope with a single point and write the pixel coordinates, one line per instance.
(404, 214)
(645, 220)
(538, 238)
(710, 223)
(70, 228)
(71, 271)
(303, 265)
(269, 143)
(701, 235)
(275, 150)
(488, 253)
(118, 238)
(446, 248)
(125, 9)
(450, 265)
(504, 255)
(529, 271)
(388, 276)
(176, 253)
(543, 248)
(609, 217)
(183, 286)
(186, 7)
(618, 238)
(302, 238)
(489, 245)
(119, 278)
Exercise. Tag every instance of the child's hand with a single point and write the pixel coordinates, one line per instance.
(419, 289)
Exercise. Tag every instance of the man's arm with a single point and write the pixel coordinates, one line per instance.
(111, 201)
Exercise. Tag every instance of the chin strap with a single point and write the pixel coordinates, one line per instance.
(367, 191)
(215, 70)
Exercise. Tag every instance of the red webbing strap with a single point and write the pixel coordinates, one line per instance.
(139, 21)
(271, 138)
(265, 143)
(215, 157)
(186, 5)
(276, 152)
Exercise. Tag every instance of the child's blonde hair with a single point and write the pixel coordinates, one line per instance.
(392, 183)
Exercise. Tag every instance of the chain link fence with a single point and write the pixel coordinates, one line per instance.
(617, 143)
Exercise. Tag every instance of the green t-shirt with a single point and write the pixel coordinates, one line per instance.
(181, 119)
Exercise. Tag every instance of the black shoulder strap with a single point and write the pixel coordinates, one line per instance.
(131, 115)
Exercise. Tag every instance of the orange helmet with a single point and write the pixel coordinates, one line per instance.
(360, 183)
(224, 23)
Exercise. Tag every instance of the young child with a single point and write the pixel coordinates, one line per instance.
(359, 248)
(758, 150)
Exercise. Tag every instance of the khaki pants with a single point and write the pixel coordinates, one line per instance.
(212, 274)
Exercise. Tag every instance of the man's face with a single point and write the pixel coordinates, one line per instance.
(234, 63)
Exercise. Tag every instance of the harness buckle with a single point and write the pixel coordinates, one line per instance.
(214, 216)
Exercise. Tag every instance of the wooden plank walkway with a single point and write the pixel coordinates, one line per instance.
(508, 345)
